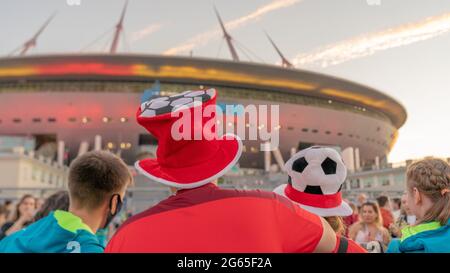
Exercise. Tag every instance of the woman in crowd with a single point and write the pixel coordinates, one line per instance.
(370, 226)
(428, 198)
(24, 215)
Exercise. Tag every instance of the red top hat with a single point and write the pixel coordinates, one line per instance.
(189, 162)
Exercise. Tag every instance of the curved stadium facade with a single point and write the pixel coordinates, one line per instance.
(73, 98)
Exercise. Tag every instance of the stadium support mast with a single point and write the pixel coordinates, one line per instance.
(32, 42)
(119, 28)
(284, 61)
(228, 38)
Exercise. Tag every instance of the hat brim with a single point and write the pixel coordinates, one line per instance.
(228, 154)
(342, 210)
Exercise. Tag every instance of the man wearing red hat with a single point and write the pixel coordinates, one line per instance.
(201, 217)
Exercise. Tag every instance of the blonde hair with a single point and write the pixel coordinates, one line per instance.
(376, 208)
(431, 177)
(336, 223)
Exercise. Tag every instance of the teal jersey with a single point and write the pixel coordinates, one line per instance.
(424, 238)
(102, 236)
(59, 232)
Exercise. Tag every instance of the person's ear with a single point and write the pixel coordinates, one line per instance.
(114, 201)
(417, 196)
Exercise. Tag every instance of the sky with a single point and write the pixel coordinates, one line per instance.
(401, 47)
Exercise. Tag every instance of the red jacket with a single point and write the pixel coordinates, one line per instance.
(387, 216)
(211, 219)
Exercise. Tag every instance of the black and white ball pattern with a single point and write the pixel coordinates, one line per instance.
(317, 170)
(164, 105)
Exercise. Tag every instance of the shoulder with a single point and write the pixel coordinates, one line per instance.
(394, 246)
(86, 242)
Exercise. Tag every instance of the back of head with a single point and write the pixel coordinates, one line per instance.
(431, 177)
(96, 176)
(57, 201)
(382, 200)
(398, 202)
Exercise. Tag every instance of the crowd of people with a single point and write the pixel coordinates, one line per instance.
(307, 214)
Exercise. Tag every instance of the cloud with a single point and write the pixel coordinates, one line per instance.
(205, 37)
(369, 44)
(145, 32)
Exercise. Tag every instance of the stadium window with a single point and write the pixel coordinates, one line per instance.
(339, 134)
(327, 132)
(354, 184)
(315, 131)
(106, 119)
(305, 130)
(123, 119)
(85, 120)
(17, 120)
(290, 128)
(72, 119)
(344, 186)
(51, 120)
(350, 135)
(36, 120)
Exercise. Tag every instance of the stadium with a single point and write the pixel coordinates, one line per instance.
(55, 107)
(91, 99)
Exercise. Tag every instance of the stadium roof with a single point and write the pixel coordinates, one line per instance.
(203, 71)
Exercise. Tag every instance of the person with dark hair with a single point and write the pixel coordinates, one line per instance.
(25, 210)
(56, 201)
(97, 184)
(385, 210)
(9, 206)
(3, 214)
